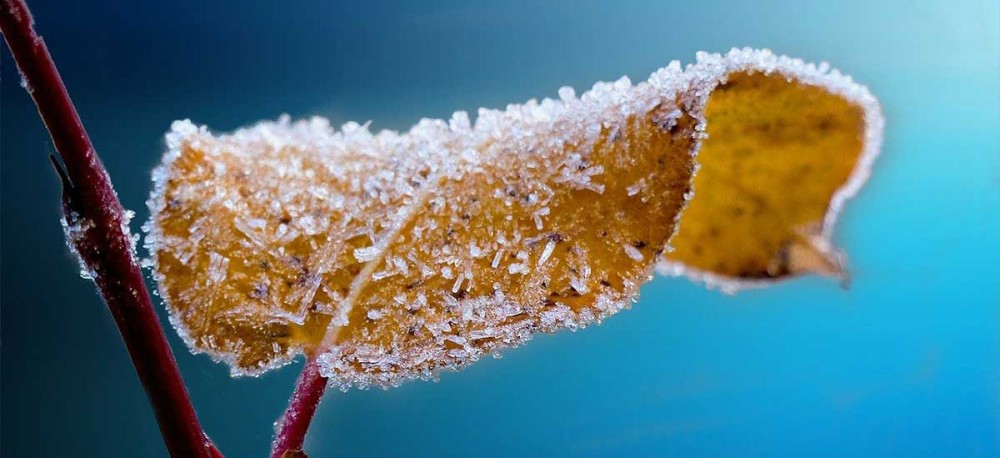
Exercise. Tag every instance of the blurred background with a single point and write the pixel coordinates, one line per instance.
(906, 362)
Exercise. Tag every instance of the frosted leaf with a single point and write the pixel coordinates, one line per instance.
(394, 256)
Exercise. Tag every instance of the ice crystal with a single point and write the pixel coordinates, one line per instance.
(75, 228)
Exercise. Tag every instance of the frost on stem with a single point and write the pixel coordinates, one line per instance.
(78, 229)
(75, 228)
(395, 255)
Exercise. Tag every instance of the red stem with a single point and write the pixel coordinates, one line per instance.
(290, 429)
(103, 241)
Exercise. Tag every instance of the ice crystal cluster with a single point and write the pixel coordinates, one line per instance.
(391, 256)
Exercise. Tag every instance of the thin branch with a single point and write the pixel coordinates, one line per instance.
(97, 229)
(290, 430)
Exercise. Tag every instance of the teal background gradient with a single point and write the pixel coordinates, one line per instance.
(906, 362)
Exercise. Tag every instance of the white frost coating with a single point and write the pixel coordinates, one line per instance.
(75, 232)
(713, 69)
(491, 316)
(127, 216)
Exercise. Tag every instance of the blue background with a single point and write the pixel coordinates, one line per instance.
(904, 363)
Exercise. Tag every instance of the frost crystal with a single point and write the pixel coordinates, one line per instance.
(633, 252)
(366, 254)
(549, 246)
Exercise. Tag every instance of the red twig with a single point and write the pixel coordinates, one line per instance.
(290, 429)
(99, 234)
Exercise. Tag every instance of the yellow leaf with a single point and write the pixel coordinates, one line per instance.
(391, 256)
(785, 149)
